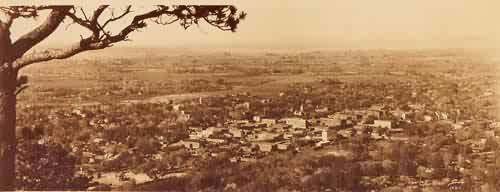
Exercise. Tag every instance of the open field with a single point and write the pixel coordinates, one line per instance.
(129, 73)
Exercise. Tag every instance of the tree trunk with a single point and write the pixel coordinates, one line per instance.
(7, 128)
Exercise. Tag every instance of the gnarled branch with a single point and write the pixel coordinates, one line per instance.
(29, 40)
(222, 17)
(113, 18)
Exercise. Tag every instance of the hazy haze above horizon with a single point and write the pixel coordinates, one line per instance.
(323, 24)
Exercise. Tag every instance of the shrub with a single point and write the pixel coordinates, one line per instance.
(47, 166)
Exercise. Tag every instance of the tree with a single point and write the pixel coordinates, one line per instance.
(14, 55)
(48, 166)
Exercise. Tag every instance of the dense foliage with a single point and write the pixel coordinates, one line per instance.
(44, 165)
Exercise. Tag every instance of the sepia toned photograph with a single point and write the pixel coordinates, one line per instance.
(250, 96)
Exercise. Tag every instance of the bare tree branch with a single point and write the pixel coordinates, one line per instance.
(127, 11)
(97, 13)
(222, 17)
(83, 22)
(51, 54)
(21, 89)
(27, 41)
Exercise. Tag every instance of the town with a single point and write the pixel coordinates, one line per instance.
(399, 133)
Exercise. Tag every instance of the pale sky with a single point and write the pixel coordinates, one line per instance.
(325, 24)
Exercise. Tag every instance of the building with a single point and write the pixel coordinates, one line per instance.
(321, 135)
(244, 106)
(268, 122)
(177, 107)
(329, 122)
(339, 116)
(208, 132)
(235, 132)
(256, 118)
(265, 146)
(283, 146)
(287, 136)
(400, 137)
(374, 113)
(187, 144)
(296, 123)
(321, 110)
(216, 141)
(478, 145)
(382, 124)
(401, 115)
(345, 133)
(427, 118)
(376, 136)
(183, 116)
(263, 136)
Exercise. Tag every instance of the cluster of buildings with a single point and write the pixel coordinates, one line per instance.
(258, 135)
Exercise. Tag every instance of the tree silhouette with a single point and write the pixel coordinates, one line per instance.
(14, 55)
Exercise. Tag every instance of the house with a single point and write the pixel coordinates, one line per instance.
(233, 159)
(478, 145)
(208, 132)
(320, 144)
(401, 115)
(375, 135)
(360, 127)
(283, 146)
(321, 135)
(396, 130)
(98, 140)
(340, 153)
(299, 112)
(238, 122)
(248, 159)
(329, 122)
(198, 134)
(296, 123)
(375, 113)
(244, 106)
(382, 124)
(235, 132)
(339, 116)
(417, 107)
(427, 118)
(265, 146)
(177, 107)
(457, 126)
(264, 101)
(195, 135)
(263, 136)
(252, 125)
(400, 137)
(287, 136)
(246, 149)
(216, 141)
(494, 125)
(187, 144)
(345, 133)
(183, 116)
(256, 118)
(268, 122)
(321, 110)
(489, 133)
(440, 116)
